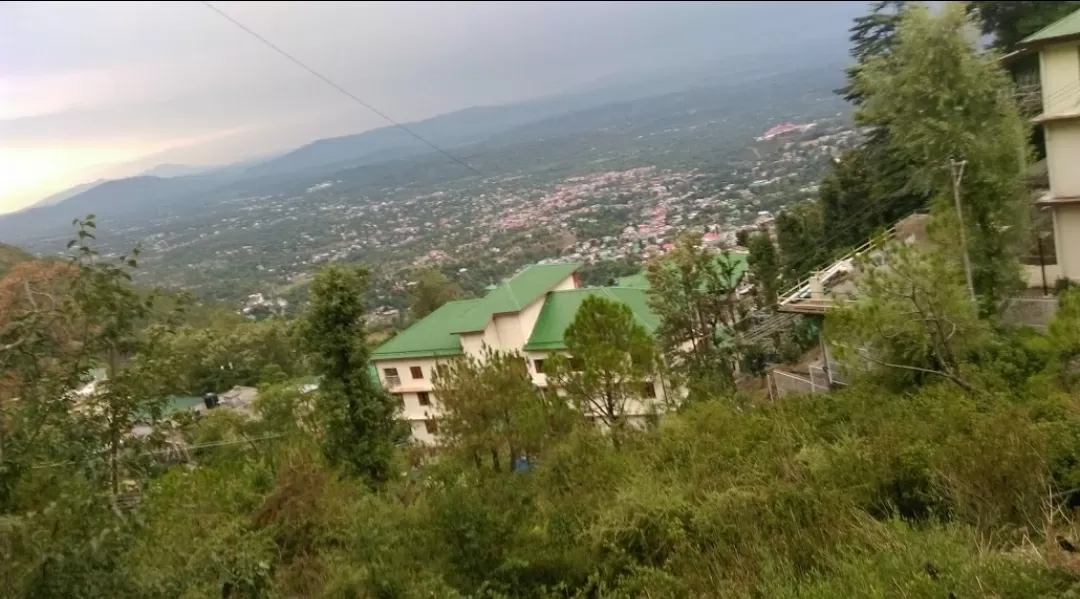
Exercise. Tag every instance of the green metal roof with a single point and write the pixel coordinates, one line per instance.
(1066, 27)
(514, 294)
(561, 307)
(434, 335)
(180, 403)
(639, 281)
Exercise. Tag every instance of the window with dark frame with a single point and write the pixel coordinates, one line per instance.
(431, 426)
(416, 372)
(424, 398)
(539, 366)
(648, 390)
(392, 378)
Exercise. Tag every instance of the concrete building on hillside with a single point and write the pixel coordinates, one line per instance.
(1058, 48)
(527, 313)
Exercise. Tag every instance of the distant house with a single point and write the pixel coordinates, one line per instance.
(527, 313)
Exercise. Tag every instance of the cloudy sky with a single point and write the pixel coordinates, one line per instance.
(102, 89)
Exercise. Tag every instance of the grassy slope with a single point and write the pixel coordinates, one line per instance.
(10, 256)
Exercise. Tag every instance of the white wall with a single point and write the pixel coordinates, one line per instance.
(1033, 275)
(409, 388)
(1067, 239)
(1059, 74)
(1063, 158)
(565, 284)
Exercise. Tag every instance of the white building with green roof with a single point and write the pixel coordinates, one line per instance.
(527, 313)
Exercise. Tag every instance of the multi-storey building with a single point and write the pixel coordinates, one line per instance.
(1058, 47)
(527, 313)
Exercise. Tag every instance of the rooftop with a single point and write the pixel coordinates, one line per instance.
(514, 294)
(437, 333)
(561, 307)
(1061, 30)
(434, 335)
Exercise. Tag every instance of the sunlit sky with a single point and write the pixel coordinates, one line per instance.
(109, 89)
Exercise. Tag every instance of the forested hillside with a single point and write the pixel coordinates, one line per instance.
(949, 466)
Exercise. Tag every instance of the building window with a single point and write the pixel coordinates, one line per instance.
(432, 426)
(648, 390)
(424, 398)
(539, 365)
(416, 372)
(577, 364)
(392, 378)
(400, 398)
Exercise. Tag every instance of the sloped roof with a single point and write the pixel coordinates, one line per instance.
(434, 335)
(1064, 28)
(560, 307)
(639, 281)
(514, 294)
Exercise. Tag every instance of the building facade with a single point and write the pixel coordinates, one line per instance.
(1058, 47)
(527, 313)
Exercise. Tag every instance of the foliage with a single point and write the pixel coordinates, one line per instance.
(359, 425)
(1010, 22)
(612, 365)
(605, 272)
(798, 236)
(764, 264)
(912, 318)
(218, 357)
(916, 488)
(492, 412)
(942, 100)
(693, 291)
(1064, 335)
(431, 290)
(872, 35)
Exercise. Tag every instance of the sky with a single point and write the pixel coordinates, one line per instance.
(109, 89)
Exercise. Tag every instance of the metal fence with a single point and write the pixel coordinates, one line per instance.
(819, 378)
(1034, 312)
(785, 383)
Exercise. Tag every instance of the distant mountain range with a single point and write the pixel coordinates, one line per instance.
(166, 171)
(169, 185)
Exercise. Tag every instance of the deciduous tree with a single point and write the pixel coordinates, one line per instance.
(942, 100)
(693, 291)
(911, 319)
(493, 412)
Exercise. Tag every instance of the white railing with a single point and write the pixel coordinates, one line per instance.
(802, 289)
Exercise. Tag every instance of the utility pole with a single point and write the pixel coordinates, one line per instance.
(957, 171)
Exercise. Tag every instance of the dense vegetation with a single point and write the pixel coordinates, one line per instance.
(950, 467)
(906, 98)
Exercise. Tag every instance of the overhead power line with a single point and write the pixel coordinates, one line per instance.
(334, 85)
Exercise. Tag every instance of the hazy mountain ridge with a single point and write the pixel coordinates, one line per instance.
(393, 154)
